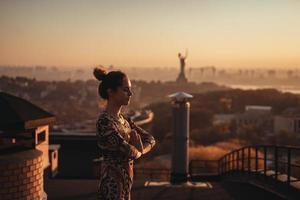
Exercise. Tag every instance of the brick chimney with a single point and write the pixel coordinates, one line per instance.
(24, 148)
(21, 175)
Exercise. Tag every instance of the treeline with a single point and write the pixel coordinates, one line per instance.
(77, 101)
(70, 102)
(279, 101)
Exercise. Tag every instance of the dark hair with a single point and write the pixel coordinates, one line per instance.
(111, 80)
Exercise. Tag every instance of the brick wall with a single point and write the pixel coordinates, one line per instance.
(21, 176)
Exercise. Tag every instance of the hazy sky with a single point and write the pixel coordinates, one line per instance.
(226, 33)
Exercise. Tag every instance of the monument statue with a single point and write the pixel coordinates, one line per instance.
(181, 77)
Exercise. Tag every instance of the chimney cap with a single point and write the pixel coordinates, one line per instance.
(180, 96)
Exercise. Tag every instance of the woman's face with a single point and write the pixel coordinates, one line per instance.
(123, 94)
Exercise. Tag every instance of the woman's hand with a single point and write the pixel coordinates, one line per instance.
(135, 140)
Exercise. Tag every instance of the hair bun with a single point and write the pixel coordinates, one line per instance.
(100, 73)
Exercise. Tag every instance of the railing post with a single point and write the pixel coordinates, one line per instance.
(229, 159)
(276, 161)
(221, 164)
(228, 163)
(265, 161)
(238, 160)
(289, 166)
(190, 168)
(235, 165)
(233, 161)
(243, 158)
(225, 164)
(256, 159)
(219, 168)
(249, 157)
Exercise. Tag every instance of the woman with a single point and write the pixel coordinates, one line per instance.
(120, 140)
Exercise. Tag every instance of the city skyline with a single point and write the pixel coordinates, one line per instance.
(231, 33)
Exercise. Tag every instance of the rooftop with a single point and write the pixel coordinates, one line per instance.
(86, 189)
(18, 113)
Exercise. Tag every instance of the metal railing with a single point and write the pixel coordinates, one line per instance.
(280, 162)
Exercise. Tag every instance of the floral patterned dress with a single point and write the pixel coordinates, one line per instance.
(113, 139)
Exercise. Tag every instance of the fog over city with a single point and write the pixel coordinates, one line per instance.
(246, 78)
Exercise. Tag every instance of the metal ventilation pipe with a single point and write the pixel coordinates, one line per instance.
(181, 122)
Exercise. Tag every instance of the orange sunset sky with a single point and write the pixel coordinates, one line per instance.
(140, 33)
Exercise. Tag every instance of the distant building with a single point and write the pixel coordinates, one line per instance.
(288, 123)
(254, 108)
(259, 116)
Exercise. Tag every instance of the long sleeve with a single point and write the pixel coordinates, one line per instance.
(147, 139)
(110, 140)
